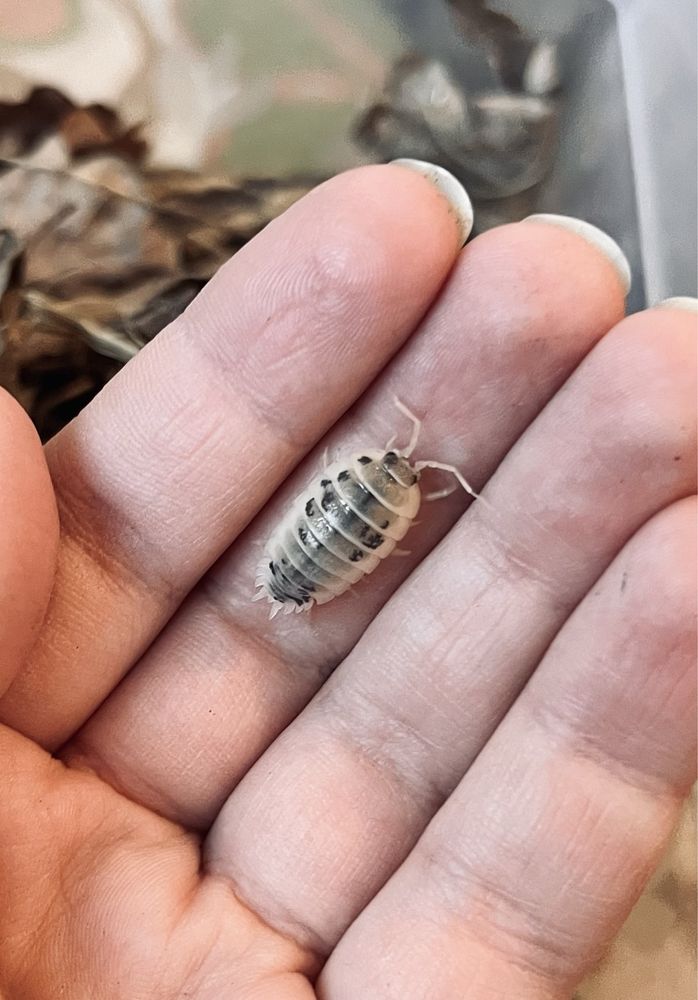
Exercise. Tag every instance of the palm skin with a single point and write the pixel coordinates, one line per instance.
(453, 785)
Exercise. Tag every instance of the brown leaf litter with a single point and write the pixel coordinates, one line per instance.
(98, 250)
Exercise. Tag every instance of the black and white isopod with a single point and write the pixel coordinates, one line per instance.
(344, 523)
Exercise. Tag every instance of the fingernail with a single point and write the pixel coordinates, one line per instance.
(597, 237)
(679, 302)
(447, 186)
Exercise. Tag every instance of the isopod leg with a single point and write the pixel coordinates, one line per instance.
(416, 428)
(440, 494)
(454, 472)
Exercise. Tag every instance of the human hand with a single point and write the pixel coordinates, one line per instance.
(478, 765)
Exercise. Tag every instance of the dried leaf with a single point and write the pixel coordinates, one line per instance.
(10, 252)
(24, 125)
(500, 143)
(98, 251)
(506, 46)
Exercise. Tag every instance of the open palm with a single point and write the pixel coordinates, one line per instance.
(452, 783)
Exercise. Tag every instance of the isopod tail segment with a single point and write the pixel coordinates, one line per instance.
(420, 466)
(262, 594)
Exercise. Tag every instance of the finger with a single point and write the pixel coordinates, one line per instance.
(28, 537)
(521, 308)
(99, 897)
(165, 468)
(525, 874)
(361, 771)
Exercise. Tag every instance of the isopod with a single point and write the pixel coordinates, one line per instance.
(344, 523)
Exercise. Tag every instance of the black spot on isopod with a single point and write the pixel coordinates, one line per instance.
(343, 476)
(272, 569)
(310, 508)
(355, 555)
(329, 497)
(325, 483)
(278, 593)
(390, 458)
(384, 524)
(371, 539)
(302, 534)
(365, 460)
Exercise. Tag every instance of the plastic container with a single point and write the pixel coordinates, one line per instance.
(627, 150)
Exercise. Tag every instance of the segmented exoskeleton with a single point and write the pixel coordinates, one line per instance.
(344, 523)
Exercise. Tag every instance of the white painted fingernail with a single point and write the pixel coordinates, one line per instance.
(448, 186)
(679, 302)
(597, 237)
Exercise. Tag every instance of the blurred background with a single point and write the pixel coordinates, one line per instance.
(142, 142)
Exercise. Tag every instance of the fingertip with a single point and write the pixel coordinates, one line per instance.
(421, 211)
(600, 241)
(670, 337)
(337, 284)
(685, 303)
(449, 187)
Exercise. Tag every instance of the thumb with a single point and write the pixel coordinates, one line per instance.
(28, 537)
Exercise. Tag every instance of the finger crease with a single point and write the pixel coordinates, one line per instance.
(532, 948)
(267, 411)
(588, 746)
(122, 573)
